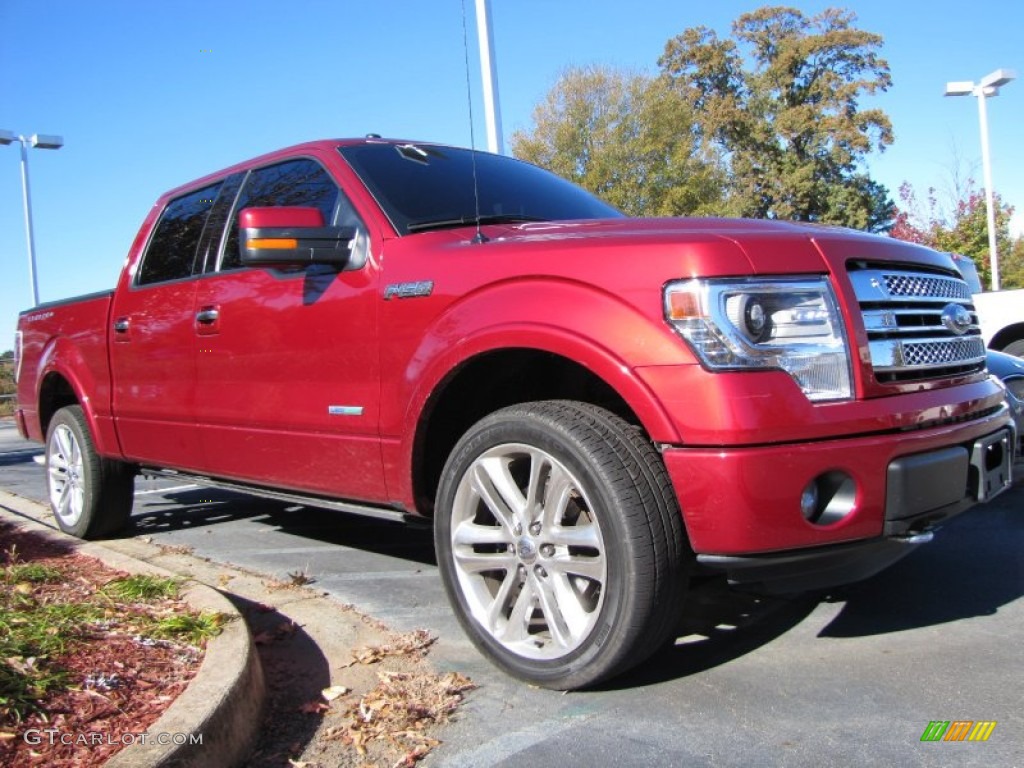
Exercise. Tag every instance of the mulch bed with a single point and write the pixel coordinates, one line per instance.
(119, 683)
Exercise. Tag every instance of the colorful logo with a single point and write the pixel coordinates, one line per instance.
(958, 730)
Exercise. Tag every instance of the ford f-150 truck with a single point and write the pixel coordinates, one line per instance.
(591, 409)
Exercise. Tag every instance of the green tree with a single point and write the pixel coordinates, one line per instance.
(7, 386)
(781, 100)
(1011, 265)
(963, 229)
(628, 138)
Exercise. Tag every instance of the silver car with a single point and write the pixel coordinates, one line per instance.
(1010, 370)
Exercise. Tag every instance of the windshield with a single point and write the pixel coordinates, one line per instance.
(425, 186)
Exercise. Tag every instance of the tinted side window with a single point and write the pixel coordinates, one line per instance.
(296, 182)
(216, 224)
(172, 249)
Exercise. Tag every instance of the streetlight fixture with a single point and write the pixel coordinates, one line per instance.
(37, 141)
(988, 86)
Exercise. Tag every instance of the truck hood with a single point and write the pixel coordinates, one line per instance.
(770, 247)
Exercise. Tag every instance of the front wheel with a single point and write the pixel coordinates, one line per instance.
(91, 497)
(1015, 348)
(560, 543)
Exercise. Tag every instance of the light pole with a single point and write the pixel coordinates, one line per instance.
(988, 86)
(489, 72)
(39, 141)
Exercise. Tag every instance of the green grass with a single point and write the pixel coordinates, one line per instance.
(33, 573)
(190, 628)
(141, 588)
(183, 627)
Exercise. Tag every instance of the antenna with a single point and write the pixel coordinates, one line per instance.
(479, 237)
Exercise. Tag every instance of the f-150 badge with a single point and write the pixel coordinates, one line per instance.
(408, 290)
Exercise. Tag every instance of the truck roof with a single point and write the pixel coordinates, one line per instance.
(321, 145)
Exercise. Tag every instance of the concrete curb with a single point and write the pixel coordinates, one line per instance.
(224, 701)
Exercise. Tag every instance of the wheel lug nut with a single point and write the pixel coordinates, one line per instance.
(518, 529)
(539, 570)
(535, 529)
(547, 550)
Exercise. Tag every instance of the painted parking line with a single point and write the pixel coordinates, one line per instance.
(172, 489)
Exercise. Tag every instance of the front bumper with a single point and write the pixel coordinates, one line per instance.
(923, 489)
(745, 503)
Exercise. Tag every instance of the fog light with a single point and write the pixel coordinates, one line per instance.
(828, 498)
(809, 501)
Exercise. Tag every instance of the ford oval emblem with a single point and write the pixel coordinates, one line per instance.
(956, 318)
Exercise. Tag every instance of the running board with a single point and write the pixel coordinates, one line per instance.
(307, 500)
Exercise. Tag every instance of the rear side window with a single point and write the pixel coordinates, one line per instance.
(296, 182)
(171, 253)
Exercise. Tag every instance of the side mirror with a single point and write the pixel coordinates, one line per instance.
(291, 236)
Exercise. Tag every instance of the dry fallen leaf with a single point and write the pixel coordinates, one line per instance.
(314, 707)
(412, 643)
(334, 692)
(23, 666)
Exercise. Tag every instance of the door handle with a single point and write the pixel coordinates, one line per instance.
(121, 325)
(207, 316)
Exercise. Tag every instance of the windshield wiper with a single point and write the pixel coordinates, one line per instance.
(467, 221)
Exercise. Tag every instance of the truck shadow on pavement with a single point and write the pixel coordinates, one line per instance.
(181, 510)
(21, 456)
(719, 625)
(972, 568)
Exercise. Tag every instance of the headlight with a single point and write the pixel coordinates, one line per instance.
(773, 323)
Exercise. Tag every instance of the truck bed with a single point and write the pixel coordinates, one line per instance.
(69, 338)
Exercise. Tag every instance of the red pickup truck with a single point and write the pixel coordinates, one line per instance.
(590, 408)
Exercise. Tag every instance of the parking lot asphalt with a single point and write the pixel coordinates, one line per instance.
(852, 676)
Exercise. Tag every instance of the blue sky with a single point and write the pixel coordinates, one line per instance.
(151, 95)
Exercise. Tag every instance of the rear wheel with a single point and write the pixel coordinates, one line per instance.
(560, 542)
(91, 497)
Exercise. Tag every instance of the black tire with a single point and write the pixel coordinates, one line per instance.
(587, 579)
(91, 497)
(1015, 347)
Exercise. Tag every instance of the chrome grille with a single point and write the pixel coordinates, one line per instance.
(903, 284)
(916, 323)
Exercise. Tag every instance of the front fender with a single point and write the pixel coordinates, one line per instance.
(608, 335)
